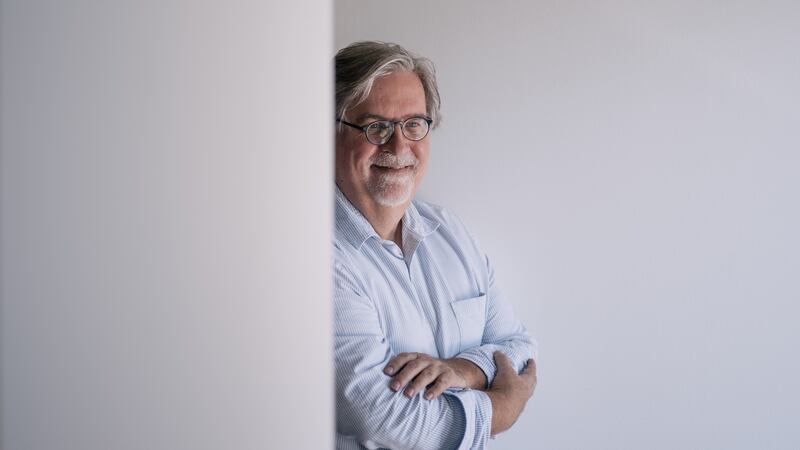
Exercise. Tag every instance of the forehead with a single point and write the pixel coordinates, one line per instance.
(393, 96)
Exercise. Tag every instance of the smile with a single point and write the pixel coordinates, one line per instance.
(392, 169)
(398, 170)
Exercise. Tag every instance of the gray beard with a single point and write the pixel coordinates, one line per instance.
(391, 189)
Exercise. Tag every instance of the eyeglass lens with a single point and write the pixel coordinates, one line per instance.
(380, 132)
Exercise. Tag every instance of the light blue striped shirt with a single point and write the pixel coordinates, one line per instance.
(437, 296)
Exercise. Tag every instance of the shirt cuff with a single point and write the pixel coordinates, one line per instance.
(477, 408)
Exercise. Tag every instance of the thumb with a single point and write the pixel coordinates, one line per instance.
(530, 368)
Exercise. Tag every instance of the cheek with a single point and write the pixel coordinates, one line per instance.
(341, 158)
(363, 155)
(421, 152)
(352, 157)
(360, 159)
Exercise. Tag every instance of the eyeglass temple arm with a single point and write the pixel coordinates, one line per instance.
(357, 127)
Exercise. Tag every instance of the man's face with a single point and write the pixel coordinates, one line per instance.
(387, 174)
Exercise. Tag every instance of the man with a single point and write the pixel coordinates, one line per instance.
(428, 353)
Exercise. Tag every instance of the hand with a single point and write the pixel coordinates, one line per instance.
(418, 371)
(510, 392)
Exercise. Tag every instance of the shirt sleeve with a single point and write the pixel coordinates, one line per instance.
(502, 331)
(377, 417)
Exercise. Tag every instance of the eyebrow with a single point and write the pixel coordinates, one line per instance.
(365, 116)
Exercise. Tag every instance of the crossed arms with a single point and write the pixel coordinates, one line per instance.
(413, 400)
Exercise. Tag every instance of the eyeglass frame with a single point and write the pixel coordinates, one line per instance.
(394, 123)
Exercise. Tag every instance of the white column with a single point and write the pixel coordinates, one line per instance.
(166, 225)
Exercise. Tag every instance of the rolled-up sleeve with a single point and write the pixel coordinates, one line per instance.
(377, 417)
(503, 332)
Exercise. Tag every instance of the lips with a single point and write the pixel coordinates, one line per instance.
(398, 168)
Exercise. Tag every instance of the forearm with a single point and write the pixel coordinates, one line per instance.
(369, 411)
(395, 421)
(510, 392)
(503, 416)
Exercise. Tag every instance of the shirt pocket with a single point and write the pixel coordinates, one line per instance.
(471, 317)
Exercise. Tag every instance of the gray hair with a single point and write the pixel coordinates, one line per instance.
(359, 64)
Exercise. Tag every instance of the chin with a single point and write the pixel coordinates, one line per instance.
(391, 196)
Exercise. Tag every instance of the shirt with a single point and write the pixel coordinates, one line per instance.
(436, 295)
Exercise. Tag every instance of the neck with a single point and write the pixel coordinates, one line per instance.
(386, 220)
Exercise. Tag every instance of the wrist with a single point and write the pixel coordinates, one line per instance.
(473, 376)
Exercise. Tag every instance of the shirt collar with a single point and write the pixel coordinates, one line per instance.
(357, 229)
(417, 224)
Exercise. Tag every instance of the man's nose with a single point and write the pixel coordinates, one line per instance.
(399, 142)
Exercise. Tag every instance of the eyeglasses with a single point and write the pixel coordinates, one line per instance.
(381, 131)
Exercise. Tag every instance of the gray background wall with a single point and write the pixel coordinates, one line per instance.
(632, 170)
(166, 225)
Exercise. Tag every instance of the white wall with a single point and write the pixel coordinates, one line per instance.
(631, 168)
(166, 225)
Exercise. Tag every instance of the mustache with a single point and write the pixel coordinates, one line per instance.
(394, 161)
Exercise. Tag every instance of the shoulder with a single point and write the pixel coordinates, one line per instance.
(438, 214)
(451, 229)
(449, 222)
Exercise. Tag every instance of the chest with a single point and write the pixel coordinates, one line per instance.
(434, 303)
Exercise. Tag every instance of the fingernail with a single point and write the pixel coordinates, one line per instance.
(429, 396)
(389, 370)
(395, 385)
(410, 392)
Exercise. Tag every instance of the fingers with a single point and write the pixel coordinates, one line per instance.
(503, 364)
(437, 388)
(414, 372)
(506, 372)
(398, 362)
(409, 371)
(426, 377)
